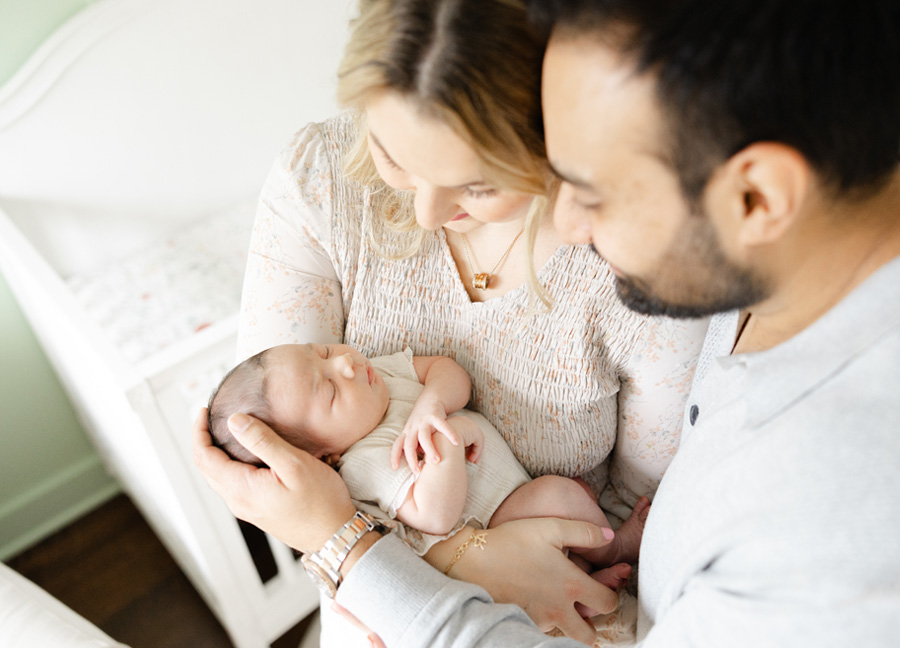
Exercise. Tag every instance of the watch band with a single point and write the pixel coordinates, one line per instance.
(324, 566)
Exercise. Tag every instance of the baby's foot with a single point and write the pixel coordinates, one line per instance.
(613, 577)
(628, 536)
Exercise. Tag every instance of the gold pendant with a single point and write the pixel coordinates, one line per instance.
(480, 281)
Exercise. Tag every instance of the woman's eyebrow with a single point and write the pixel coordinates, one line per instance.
(381, 146)
(473, 183)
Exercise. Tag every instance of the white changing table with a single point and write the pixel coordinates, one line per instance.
(132, 147)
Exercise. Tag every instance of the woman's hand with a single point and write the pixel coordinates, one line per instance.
(297, 499)
(524, 562)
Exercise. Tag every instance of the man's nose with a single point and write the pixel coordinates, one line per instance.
(572, 226)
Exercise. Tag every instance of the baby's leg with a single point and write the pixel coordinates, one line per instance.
(570, 499)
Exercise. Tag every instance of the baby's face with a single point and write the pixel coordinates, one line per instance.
(329, 390)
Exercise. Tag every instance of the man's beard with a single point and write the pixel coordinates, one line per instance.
(701, 280)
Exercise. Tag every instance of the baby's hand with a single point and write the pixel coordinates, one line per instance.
(471, 435)
(426, 419)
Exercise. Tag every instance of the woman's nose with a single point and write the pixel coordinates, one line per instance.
(433, 206)
(572, 226)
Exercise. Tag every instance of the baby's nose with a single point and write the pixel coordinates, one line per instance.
(346, 365)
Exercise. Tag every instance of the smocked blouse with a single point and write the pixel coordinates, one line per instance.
(588, 389)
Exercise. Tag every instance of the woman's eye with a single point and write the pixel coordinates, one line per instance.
(480, 193)
(390, 162)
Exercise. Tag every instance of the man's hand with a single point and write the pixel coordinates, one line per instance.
(297, 498)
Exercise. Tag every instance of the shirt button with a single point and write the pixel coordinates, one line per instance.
(695, 412)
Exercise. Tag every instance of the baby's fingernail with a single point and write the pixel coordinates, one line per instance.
(238, 422)
(608, 533)
(436, 459)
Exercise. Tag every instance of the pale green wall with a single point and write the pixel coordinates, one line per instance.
(49, 472)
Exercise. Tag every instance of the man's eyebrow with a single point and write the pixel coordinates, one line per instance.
(570, 179)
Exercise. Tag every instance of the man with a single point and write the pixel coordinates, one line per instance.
(744, 155)
(737, 158)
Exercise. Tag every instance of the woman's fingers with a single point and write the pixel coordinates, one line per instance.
(574, 626)
(581, 535)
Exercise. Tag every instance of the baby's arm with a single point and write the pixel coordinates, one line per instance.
(447, 388)
(435, 500)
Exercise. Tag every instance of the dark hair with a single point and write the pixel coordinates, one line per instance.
(820, 77)
(243, 389)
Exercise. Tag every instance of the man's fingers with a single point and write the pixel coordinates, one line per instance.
(258, 438)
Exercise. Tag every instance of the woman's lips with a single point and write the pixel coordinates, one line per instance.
(460, 216)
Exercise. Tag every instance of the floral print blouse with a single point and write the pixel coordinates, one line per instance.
(588, 389)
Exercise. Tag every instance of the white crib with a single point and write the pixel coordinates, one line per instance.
(132, 147)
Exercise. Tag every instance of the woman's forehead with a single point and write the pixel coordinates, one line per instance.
(420, 144)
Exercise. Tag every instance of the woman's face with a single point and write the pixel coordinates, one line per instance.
(417, 153)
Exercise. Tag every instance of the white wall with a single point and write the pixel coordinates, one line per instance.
(49, 472)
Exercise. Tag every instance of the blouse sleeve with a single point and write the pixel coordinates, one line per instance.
(291, 291)
(655, 382)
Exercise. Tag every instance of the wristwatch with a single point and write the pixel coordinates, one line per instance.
(324, 566)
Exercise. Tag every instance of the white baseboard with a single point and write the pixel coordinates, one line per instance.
(55, 502)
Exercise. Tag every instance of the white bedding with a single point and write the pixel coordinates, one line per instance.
(173, 288)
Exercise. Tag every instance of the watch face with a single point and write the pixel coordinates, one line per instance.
(320, 578)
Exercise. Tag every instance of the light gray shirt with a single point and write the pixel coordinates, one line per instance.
(775, 525)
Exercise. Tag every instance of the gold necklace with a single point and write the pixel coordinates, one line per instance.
(481, 280)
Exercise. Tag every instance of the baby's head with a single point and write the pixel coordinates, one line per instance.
(321, 398)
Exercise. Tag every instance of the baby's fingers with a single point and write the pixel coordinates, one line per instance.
(428, 449)
(474, 451)
(411, 452)
(397, 451)
(442, 426)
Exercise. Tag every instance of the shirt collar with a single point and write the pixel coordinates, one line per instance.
(775, 378)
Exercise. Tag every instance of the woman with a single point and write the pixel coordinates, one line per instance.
(403, 224)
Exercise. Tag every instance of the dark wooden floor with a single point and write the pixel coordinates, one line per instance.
(111, 569)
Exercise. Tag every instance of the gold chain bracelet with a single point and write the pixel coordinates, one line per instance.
(478, 538)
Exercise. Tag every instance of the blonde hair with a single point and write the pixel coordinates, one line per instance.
(473, 65)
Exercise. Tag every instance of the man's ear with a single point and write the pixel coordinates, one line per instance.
(765, 187)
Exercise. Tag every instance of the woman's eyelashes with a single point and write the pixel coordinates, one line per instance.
(469, 191)
(480, 193)
(389, 161)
